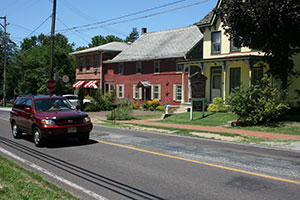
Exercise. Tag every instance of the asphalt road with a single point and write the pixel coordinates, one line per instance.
(126, 164)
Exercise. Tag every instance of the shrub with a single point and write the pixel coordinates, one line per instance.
(122, 112)
(100, 102)
(217, 105)
(258, 104)
(151, 105)
(160, 108)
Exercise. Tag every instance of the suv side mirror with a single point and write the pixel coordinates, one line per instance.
(27, 109)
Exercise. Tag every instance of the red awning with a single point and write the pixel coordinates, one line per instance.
(91, 84)
(78, 84)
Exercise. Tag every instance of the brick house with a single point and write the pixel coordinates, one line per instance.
(148, 69)
(89, 64)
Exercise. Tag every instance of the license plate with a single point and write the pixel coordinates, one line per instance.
(72, 130)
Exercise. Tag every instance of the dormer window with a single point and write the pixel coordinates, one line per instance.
(216, 42)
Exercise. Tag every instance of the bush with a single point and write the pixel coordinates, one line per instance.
(151, 105)
(217, 105)
(122, 112)
(100, 102)
(258, 104)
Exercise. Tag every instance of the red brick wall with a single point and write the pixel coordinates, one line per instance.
(166, 78)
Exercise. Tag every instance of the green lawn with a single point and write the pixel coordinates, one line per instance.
(286, 127)
(18, 183)
(210, 119)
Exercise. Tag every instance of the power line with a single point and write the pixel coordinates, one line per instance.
(124, 16)
(39, 26)
(74, 30)
(141, 17)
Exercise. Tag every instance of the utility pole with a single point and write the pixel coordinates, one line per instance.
(52, 40)
(5, 60)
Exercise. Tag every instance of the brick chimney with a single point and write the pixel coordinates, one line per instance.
(144, 30)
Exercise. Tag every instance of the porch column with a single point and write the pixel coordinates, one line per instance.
(224, 84)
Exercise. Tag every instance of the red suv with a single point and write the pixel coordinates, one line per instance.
(47, 116)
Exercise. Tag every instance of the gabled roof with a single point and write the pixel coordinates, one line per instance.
(109, 47)
(208, 20)
(173, 43)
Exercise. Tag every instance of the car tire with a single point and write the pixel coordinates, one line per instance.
(84, 138)
(15, 130)
(38, 139)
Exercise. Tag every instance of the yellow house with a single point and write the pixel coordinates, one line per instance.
(225, 65)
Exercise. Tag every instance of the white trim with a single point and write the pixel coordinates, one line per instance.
(118, 91)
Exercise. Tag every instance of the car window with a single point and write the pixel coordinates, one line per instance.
(71, 97)
(52, 104)
(20, 103)
(28, 103)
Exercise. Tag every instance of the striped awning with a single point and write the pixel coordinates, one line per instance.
(78, 84)
(91, 84)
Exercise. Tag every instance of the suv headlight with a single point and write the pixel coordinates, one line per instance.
(86, 119)
(48, 122)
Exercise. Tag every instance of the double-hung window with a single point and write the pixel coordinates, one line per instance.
(109, 87)
(139, 67)
(179, 67)
(156, 67)
(95, 63)
(216, 42)
(120, 91)
(156, 92)
(137, 92)
(80, 64)
(177, 92)
(87, 63)
(121, 68)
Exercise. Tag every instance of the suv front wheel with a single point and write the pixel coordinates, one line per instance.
(37, 137)
(15, 130)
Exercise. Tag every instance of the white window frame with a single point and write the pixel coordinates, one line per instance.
(121, 69)
(137, 92)
(122, 91)
(156, 65)
(153, 92)
(176, 92)
(138, 69)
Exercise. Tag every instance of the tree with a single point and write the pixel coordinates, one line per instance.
(31, 71)
(100, 40)
(272, 26)
(11, 51)
(133, 36)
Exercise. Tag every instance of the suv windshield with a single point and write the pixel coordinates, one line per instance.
(51, 104)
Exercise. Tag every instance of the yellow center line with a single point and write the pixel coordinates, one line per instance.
(199, 162)
(4, 118)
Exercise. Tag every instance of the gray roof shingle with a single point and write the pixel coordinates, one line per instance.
(109, 47)
(173, 43)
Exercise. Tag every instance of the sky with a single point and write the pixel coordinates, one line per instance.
(81, 20)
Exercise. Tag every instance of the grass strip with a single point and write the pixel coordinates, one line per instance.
(19, 183)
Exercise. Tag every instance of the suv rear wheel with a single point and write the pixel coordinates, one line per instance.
(38, 140)
(15, 130)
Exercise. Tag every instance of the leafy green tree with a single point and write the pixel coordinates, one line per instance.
(133, 36)
(31, 72)
(272, 26)
(100, 40)
(11, 51)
